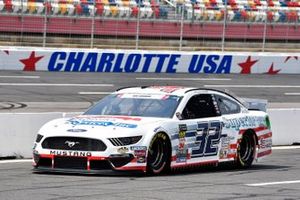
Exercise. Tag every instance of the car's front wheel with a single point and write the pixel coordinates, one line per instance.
(246, 150)
(159, 154)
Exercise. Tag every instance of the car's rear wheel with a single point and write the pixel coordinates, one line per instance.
(159, 154)
(246, 150)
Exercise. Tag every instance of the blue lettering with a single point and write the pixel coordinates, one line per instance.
(196, 66)
(53, 60)
(225, 65)
(118, 63)
(212, 66)
(173, 61)
(78, 122)
(74, 61)
(147, 62)
(106, 62)
(89, 63)
(133, 62)
(161, 61)
(113, 62)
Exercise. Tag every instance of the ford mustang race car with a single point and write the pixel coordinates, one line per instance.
(155, 129)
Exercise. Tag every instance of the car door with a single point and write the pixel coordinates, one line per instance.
(201, 128)
(231, 113)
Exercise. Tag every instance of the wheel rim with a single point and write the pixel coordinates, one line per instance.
(156, 154)
(246, 149)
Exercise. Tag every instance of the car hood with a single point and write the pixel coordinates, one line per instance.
(104, 126)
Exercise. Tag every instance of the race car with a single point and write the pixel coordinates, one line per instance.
(156, 129)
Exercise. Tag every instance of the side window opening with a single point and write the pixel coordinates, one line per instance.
(227, 106)
(199, 106)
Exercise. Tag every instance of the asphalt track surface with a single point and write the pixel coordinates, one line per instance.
(63, 91)
(276, 177)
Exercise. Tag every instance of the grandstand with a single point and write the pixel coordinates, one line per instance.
(200, 21)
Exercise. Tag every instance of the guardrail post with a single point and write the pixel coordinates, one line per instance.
(224, 26)
(138, 26)
(45, 24)
(181, 27)
(93, 25)
(265, 28)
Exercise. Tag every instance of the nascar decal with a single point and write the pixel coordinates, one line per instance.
(95, 122)
(182, 151)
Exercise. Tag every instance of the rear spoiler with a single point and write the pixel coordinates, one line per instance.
(255, 104)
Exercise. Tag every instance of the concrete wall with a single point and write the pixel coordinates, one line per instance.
(131, 61)
(18, 130)
(285, 125)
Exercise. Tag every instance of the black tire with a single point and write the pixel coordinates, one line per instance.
(159, 155)
(246, 150)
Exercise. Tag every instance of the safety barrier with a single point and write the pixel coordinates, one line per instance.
(130, 61)
(19, 129)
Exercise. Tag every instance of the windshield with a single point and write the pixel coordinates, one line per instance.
(146, 105)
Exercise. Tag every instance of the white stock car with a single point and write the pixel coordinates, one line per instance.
(155, 129)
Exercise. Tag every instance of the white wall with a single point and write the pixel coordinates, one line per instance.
(131, 61)
(18, 131)
(285, 125)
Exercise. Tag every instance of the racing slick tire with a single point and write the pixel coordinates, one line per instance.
(159, 155)
(246, 150)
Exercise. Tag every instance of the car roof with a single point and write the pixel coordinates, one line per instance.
(165, 90)
(172, 90)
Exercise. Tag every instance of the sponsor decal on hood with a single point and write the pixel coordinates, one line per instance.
(99, 122)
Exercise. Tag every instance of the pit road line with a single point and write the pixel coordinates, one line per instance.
(273, 183)
(285, 147)
(25, 77)
(15, 161)
(253, 86)
(292, 94)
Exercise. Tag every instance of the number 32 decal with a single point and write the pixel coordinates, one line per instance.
(207, 139)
